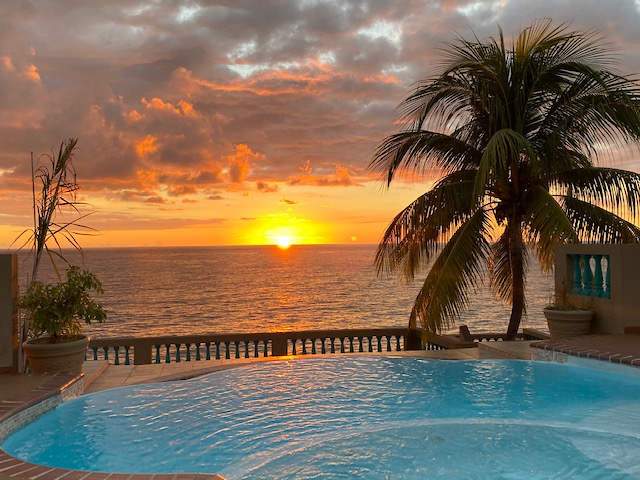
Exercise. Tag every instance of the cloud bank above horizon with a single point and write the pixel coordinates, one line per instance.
(220, 114)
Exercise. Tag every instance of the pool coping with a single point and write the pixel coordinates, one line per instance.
(54, 389)
(585, 347)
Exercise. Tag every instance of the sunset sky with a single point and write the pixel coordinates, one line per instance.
(237, 121)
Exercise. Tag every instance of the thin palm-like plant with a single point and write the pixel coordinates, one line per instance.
(514, 133)
(54, 188)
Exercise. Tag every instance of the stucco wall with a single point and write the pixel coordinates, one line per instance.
(8, 312)
(622, 309)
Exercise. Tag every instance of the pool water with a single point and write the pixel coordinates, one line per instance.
(355, 418)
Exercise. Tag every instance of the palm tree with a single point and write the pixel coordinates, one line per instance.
(514, 133)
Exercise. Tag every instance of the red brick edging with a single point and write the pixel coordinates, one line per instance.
(583, 352)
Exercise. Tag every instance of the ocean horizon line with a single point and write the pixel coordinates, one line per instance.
(239, 245)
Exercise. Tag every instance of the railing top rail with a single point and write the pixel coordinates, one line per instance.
(241, 337)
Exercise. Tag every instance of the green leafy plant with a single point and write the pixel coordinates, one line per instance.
(56, 310)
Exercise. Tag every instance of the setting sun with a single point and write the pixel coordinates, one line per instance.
(283, 242)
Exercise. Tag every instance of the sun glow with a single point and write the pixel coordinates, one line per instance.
(283, 242)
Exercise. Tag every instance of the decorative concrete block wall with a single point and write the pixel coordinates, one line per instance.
(9, 312)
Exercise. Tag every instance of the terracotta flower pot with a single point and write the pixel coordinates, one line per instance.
(568, 323)
(56, 357)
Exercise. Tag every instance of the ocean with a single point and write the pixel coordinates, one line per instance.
(153, 291)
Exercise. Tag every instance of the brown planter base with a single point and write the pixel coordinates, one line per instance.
(568, 323)
(56, 357)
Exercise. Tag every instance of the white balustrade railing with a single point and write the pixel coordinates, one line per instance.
(591, 275)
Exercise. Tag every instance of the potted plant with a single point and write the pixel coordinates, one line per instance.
(55, 313)
(56, 309)
(566, 320)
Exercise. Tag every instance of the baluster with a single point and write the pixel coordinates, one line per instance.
(188, 345)
(227, 352)
(167, 358)
(361, 349)
(116, 360)
(207, 347)
(350, 344)
(157, 353)
(217, 350)
(177, 353)
(256, 349)
(388, 343)
(597, 277)
(266, 348)
(106, 352)
(127, 361)
(370, 339)
(237, 345)
(95, 352)
(587, 276)
(198, 352)
(342, 345)
(293, 349)
(313, 346)
(304, 346)
(398, 343)
(379, 340)
(324, 350)
(607, 281)
(246, 349)
(577, 274)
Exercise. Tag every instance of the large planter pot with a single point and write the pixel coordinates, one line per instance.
(568, 323)
(56, 357)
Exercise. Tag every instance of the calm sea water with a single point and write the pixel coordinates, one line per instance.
(198, 290)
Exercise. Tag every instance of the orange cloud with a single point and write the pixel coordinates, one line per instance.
(7, 63)
(183, 109)
(341, 178)
(266, 188)
(146, 146)
(134, 116)
(239, 162)
(32, 73)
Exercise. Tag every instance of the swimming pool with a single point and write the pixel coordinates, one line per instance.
(352, 418)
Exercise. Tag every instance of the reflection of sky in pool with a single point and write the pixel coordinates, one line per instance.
(355, 417)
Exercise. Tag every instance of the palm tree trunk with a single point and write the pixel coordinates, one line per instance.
(516, 253)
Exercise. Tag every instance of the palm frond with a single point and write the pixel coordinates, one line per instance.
(456, 270)
(419, 151)
(546, 225)
(613, 189)
(597, 225)
(505, 148)
(416, 232)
